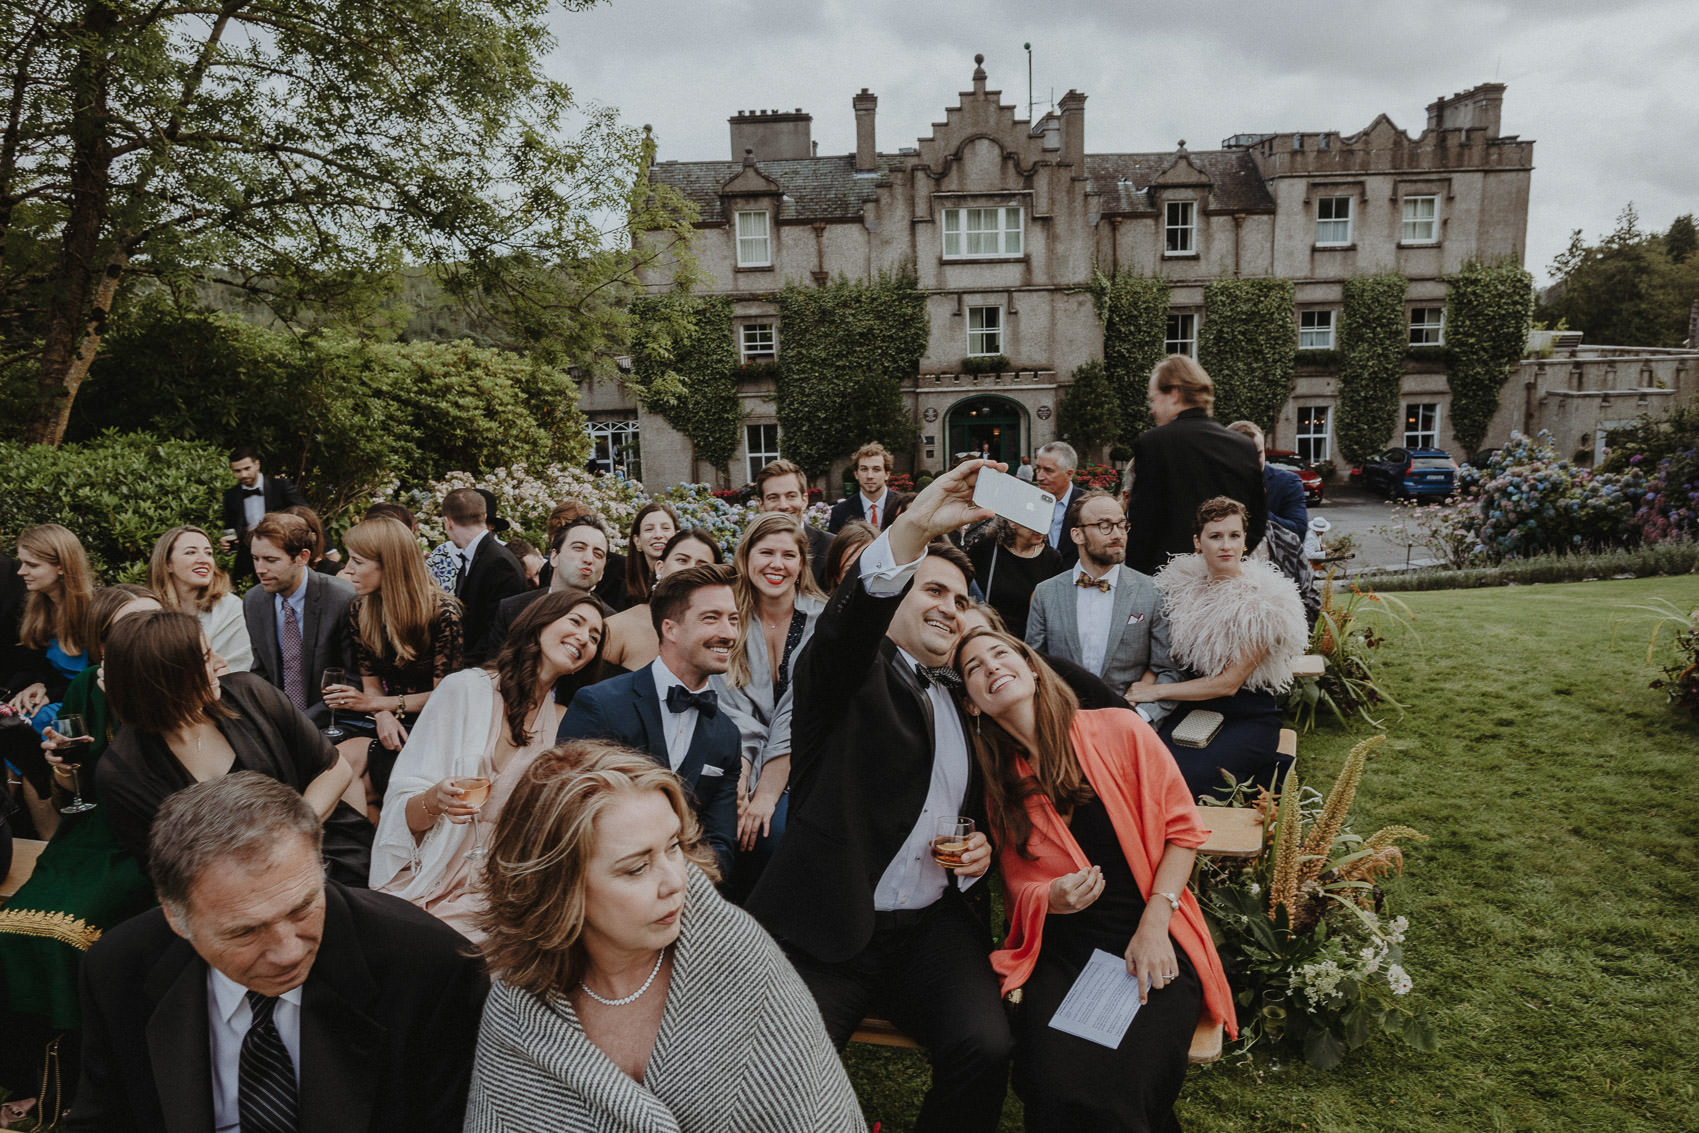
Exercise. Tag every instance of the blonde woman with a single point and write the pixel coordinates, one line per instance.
(187, 579)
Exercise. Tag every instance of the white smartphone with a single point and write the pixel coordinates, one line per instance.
(1014, 499)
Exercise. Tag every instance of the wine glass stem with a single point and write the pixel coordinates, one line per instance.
(477, 838)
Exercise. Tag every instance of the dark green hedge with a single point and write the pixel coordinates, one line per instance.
(1372, 339)
(1248, 345)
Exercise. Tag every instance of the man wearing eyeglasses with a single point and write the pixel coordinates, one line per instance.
(1103, 615)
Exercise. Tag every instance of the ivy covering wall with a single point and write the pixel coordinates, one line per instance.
(846, 349)
(1487, 313)
(1248, 343)
(1089, 416)
(685, 369)
(1134, 312)
(1372, 336)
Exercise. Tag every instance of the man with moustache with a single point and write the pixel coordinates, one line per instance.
(1103, 615)
(297, 617)
(578, 558)
(781, 486)
(667, 709)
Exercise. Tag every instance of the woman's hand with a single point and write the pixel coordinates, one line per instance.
(348, 698)
(444, 800)
(1075, 891)
(30, 699)
(1141, 693)
(755, 819)
(1150, 957)
(390, 732)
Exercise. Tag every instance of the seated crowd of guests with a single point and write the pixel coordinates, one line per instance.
(629, 841)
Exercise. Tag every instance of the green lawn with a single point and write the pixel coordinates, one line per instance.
(1554, 923)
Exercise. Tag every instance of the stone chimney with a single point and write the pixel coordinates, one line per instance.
(1476, 108)
(866, 153)
(772, 134)
(1072, 107)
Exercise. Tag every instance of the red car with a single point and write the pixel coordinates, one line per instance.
(1314, 488)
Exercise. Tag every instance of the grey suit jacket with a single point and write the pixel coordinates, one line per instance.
(1138, 633)
(325, 642)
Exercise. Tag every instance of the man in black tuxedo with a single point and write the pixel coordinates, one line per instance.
(578, 559)
(297, 618)
(254, 495)
(667, 709)
(262, 994)
(486, 573)
(1054, 472)
(1186, 460)
(875, 502)
(781, 486)
(880, 753)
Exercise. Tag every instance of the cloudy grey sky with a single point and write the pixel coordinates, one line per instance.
(1608, 91)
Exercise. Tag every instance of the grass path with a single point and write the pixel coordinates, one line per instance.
(1555, 914)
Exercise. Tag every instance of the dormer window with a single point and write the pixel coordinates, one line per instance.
(754, 240)
(1180, 228)
(983, 233)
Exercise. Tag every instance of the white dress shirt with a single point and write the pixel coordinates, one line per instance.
(253, 507)
(884, 498)
(1093, 609)
(470, 550)
(679, 727)
(298, 600)
(1057, 518)
(228, 1019)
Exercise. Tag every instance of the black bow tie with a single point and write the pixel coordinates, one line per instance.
(680, 698)
(938, 675)
(253, 491)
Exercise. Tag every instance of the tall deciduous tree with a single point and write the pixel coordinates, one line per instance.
(1090, 414)
(302, 150)
(1629, 289)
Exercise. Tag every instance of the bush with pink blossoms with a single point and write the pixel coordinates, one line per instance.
(1669, 511)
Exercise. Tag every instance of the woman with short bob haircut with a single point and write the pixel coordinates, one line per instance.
(852, 539)
(632, 641)
(626, 988)
(185, 577)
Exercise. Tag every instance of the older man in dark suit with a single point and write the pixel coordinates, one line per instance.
(1054, 472)
(253, 495)
(262, 995)
(297, 618)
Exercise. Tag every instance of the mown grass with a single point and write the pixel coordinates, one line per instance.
(1555, 913)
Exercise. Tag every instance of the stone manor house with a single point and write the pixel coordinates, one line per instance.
(1005, 220)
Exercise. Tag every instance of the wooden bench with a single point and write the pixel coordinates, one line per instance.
(24, 853)
(1206, 1040)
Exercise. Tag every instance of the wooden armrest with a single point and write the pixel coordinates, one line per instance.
(1235, 831)
(880, 1032)
(1206, 1041)
(1288, 742)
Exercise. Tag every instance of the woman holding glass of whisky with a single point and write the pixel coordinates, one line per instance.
(477, 734)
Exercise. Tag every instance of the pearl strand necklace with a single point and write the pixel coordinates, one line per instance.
(634, 996)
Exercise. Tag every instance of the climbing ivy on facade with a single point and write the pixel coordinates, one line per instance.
(1134, 312)
(1248, 344)
(688, 375)
(1487, 315)
(1372, 336)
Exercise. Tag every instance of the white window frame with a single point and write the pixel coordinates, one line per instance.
(1426, 425)
(616, 446)
(986, 339)
(984, 233)
(1427, 332)
(1181, 335)
(750, 344)
(1314, 444)
(1329, 233)
(1180, 228)
(754, 248)
(760, 446)
(1319, 334)
(1411, 223)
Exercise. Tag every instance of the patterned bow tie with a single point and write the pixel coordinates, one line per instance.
(680, 698)
(938, 675)
(1101, 583)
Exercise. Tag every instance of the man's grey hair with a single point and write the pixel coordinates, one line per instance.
(241, 817)
(1064, 453)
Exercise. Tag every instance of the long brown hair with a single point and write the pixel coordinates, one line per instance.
(57, 619)
(156, 674)
(851, 537)
(103, 610)
(521, 657)
(1057, 773)
(164, 588)
(743, 591)
(639, 575)
(396, 617)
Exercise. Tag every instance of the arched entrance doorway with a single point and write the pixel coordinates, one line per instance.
(989, 425)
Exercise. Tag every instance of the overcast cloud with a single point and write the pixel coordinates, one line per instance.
(1609, 92)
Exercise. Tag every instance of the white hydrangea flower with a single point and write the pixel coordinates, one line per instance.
(1397, 979)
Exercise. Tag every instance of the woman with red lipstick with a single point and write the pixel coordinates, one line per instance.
(481, 724)
(1235, 624)
(189, 580)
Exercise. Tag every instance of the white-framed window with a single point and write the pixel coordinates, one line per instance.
(761, 443)
(980, 232)
(614, 447)
(756, 343)
(1427, 326)
(1180, 228)
(1421, 424)
(1315, 330)
(1421, 220)
(1333, 221)
(1314, 438)
(754, 239)
(1182, 336)
(984, 330)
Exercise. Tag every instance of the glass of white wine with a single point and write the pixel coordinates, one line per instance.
(73, 740)
(477, 792)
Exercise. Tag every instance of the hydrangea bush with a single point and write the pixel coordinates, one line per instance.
(1669, 510)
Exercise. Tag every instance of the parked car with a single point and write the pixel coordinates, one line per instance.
(1315, 489)
(1409, 472)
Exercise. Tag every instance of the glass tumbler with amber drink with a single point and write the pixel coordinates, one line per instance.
(950, 840)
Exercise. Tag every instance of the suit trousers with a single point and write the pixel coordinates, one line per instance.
(928, 971)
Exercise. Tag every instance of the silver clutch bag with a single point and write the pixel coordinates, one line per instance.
(1198, 728)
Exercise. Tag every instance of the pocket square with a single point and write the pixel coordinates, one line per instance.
(1134, 618)
(710, 769)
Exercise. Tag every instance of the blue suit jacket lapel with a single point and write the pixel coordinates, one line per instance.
(648, 706)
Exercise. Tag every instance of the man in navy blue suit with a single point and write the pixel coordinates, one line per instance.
(667, 709)
(1284, 491)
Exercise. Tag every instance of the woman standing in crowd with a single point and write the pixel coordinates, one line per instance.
(847, 545)
(186, 577)
(1008, 562)
(655, 523)
(1235, 624)
(56, 574)
(1096, 835)
(631, 641)
(629, 995)
(406, 634)
(185, 721)
(489, 724)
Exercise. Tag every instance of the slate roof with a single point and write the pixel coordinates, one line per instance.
(1123, 180)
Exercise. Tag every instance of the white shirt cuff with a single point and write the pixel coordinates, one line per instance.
(1142, 711)
(881, 575)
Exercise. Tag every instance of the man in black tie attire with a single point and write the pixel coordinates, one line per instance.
(872, 923)
(263, 995)
(874, 502)
(486, 572)
(255, 494)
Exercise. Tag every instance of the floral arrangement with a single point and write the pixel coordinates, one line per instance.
(1303, 930)
(1097, 477)
(1349, 631)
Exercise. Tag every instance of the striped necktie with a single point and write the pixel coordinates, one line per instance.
(266, 1097)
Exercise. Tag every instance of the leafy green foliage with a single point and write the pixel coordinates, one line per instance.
(848, 347)
(1347, 636)
(1682, 239)
(1372, 336)
(1089, 417)
(1248, 343)
(1134, 312)
(1488, 310)
(1648, 440)
(1629, 289)
(985, 364)
(690, 377)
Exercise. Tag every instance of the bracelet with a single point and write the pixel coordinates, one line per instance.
(1173, 899)
(425, 805)
(401, 705)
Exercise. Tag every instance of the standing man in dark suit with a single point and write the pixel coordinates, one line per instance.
(1186, 460)
(667, 709)
(1054, 472)
(880, 753)
(261, 994)
(875, 501)
(486, 573)
(781, 486)
(254, 495)
(297, 618)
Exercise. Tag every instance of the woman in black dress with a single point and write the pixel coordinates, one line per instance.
(1008, 562)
